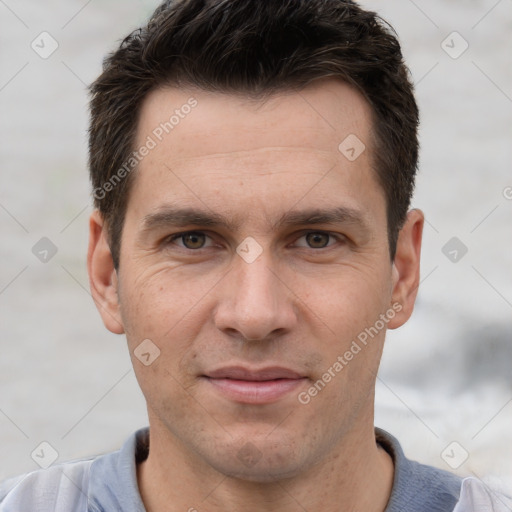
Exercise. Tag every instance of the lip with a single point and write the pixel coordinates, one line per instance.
(242, 373)
(252, 386)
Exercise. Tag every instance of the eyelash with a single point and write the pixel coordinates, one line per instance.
(171, 239)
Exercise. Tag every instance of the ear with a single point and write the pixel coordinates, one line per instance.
(102, 275)
(406, 268)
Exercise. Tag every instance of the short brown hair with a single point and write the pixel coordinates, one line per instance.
(254, 48)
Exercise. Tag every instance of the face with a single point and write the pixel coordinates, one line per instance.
(254, 258)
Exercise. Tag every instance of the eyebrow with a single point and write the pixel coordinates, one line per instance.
(337, 215)
(182, 217)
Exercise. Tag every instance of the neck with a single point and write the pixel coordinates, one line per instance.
(356, 475)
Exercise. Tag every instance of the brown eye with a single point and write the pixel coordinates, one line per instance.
(317, 240)
(193, 240)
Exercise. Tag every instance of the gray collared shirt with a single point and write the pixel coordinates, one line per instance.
(108, 483)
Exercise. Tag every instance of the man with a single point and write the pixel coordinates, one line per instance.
(252, 167)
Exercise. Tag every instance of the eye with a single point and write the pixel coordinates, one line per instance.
(190, 240)
(316, 240)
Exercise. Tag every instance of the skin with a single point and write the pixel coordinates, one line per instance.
(298, 305)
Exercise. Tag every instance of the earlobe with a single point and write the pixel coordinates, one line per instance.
(102, 275)
(406, 268)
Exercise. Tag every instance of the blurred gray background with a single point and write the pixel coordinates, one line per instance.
(444, 387)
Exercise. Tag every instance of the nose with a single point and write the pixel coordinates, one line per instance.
(254, 303)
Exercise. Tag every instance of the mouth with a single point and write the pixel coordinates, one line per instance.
(248, 386)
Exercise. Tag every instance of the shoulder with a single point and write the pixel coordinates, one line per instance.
(60, 487)
(104, 482)
(421, 488)
(476, 496)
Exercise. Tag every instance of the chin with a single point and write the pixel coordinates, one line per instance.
(262, 473)
(259, 462)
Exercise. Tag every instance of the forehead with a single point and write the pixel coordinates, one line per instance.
(222, 149)
(318, 117)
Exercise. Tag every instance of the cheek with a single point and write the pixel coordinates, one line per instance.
(348, 309)
(171, 318)
(171, 309)
(158, 302)
(348, 299)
